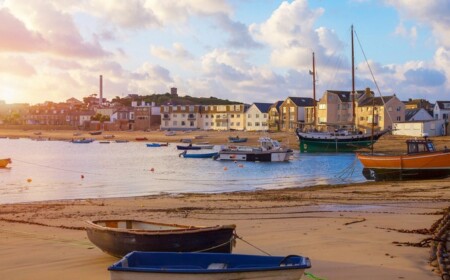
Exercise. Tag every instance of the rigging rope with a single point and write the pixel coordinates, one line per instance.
(371, 73)
(259, 249)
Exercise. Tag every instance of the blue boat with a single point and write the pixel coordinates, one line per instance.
(211, 266)
(205, 155)
(157, 144)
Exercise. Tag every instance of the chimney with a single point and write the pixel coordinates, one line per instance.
(100, 98)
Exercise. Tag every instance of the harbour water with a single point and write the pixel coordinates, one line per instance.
(50, 170)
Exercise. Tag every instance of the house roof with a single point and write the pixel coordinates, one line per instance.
(375, 101)
(263, 107)
(442, 105)
(345, 96)
(302, 101)
(410, 113)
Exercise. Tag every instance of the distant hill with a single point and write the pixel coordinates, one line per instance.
(174, 99)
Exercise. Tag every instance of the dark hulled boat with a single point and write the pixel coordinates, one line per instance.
(119, 237)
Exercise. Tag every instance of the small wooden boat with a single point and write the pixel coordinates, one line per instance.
(119, 237)
(108, 136)
(237, 139)
(4, 162)
(95, 132)
(104, 142)
(121, 141)
(205, 155)
(421, 161)
(204, 146)
(157, 144)
(170, 133)
(82, 141)
(141, 139)
(188, 147)
(214, 266)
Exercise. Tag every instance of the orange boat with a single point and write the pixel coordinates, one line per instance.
(421, 161)
(4, 162)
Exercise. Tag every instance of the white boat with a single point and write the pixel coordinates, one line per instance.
(207, 266)
(270, 150)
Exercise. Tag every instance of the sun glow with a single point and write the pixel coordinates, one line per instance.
(8, 95)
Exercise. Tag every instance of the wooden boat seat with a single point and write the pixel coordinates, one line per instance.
(217, 266)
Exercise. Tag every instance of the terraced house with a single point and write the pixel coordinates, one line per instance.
(223, 117)
(295, 112)
(180, 117)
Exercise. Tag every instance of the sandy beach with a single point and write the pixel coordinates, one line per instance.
(360, 231)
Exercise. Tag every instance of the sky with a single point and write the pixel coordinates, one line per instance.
(241, 50)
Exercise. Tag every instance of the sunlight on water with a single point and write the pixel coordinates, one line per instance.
(63, 170)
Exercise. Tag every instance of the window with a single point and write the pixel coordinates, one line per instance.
(257, 116)
(238, 116)
(232, 124)
(322, 106)
(232, 116)
(249, 124)
(238, 124)
(284, 110)
(175, 123)
(249, 116)
(399, 109)
(174, 115)
(292, 109)
(399, 118)
(191, 123)
(183, 108)
(265, 116)
(256, 123)
(183, 123)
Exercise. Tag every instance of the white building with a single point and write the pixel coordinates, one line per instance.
(257, 117)
(419, 128)
(180, 117)
(441, 110)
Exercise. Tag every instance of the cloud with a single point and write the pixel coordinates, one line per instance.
(56, 27)
(15, 35)
(178, 53)
(432, 13)
(239, 34)
(425, 77)
(410, 33)
(16, 65)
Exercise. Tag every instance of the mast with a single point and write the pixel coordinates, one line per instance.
(314, 91)
(353, 83)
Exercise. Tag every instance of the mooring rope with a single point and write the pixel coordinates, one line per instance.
(261, 250)
(57, 168)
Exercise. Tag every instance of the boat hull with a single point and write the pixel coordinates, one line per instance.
(268, 156)
(190, 266)
(4, 162)
(179, 147)
(207, 155)
(434, 165)
(317, 143)
(118, 241)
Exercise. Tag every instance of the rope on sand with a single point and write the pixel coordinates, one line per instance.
(439, 257)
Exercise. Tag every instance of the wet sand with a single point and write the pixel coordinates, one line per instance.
(361, 231)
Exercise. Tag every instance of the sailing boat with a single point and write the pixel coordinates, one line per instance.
(340, 140)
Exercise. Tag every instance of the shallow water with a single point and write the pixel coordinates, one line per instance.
(49, 170)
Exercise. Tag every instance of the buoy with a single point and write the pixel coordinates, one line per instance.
(29, 180)
(82, 176)
(152, 169)
(225, 168)
(235, 161)
(241, 165)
